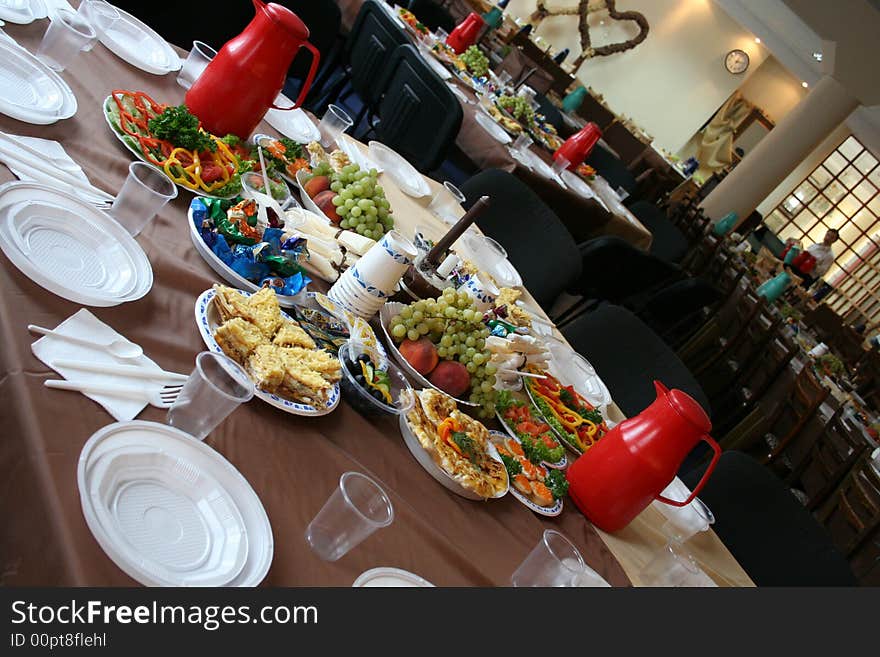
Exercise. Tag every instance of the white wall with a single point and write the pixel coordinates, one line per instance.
(672, 82)
(772, 88)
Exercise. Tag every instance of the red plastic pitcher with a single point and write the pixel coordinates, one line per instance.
(618, 477)
(465, 33)
(241, 83)
(576, 148)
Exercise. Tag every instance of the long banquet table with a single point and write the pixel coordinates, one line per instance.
(293, 463)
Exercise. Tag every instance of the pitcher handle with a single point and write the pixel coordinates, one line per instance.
(717, 449)
(316, 59)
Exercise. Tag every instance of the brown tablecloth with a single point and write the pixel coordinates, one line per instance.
(293, 463)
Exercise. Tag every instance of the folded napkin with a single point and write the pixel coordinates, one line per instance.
(53, 152)
(84, 324)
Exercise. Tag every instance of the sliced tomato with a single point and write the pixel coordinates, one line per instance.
(211, 172)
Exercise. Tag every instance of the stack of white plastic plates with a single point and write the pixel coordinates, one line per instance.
(22, 11)
(294, 124)
(69, 247)
(169, 510)
(401, 171)
(29, 90)
(390, 577)
(131, 40)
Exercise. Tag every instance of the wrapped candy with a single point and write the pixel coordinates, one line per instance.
(245, 263)
(288, 286)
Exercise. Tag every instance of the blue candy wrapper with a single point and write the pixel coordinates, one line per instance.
(287, 286)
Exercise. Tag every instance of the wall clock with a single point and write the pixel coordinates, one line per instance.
(736, 61)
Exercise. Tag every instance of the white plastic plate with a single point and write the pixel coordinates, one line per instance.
(136, 43)
(403, 173)
(580, 187)
(169, 510)
(22, 12)
(386, 313)
(350, 147)
(207, 320)
(294, 124)
(551, 511)
(488, 124)
(69, 247)
(390, 577)
(29, 90)
(424, 458)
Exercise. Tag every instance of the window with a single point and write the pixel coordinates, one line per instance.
(841, 193)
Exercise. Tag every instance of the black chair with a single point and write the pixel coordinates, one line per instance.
(373, 37)
(772, 536)
(551, 113)
(535, 239)
(432, 15)
(629, 356)
(323, 18)
(674, 310)
(418, 115)
(669, 243)
(612, 169)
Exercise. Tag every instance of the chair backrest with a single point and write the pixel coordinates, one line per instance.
(668, 243)
(796, 411)
(772, 536)
(852, 513)
(323, 18)
(612, 169)
(432, 15)
(827, 459)
(530, 232)
(419, 116)
(373, 37)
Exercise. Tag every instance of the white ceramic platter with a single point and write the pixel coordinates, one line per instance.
(69, 247)
(424, 458)
(224, 271)
(169, 510)
(124, 139)
(442, 72)
(403, 173)
(136, 43)
(293, 124)
(207, 320)
(390, 577)
(386, 313)
(559, 465)
(551, 511)
(351, 148)
(580, 187)
(29, 90)
(489, 124)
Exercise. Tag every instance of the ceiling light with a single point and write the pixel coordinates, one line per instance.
(817, 56)
(804, 85)
(757, 40)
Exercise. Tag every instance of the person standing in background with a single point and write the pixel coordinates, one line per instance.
(821, 260)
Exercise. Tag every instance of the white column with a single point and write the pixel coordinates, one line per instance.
(781, 150)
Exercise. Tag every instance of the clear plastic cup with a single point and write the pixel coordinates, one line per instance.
(196, 61)
(554, 561)
(684, 522)
(215, 388)
(356, 509)
(143, 194)
(100, 15)
(334, 122)
(560, 164)
(486, 253)
(672, 565)
(446, 203)
(522, 143)
(440, 35)
(67, 34)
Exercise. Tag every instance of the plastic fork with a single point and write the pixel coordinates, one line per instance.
(160, 398)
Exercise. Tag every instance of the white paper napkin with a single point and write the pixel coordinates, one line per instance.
(54, 152)
(84, 324)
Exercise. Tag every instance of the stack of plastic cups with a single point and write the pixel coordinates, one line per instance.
(365, 286)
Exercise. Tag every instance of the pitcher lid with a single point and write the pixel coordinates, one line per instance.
(688, 407)
(287, 19)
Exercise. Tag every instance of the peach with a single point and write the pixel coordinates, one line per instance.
(324, 201)
(451, 377)
(316, 185)
(421, 354)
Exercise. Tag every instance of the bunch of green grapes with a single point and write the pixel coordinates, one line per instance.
(476, 61)
(518, 108)
(360, 201)
(455, 326)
